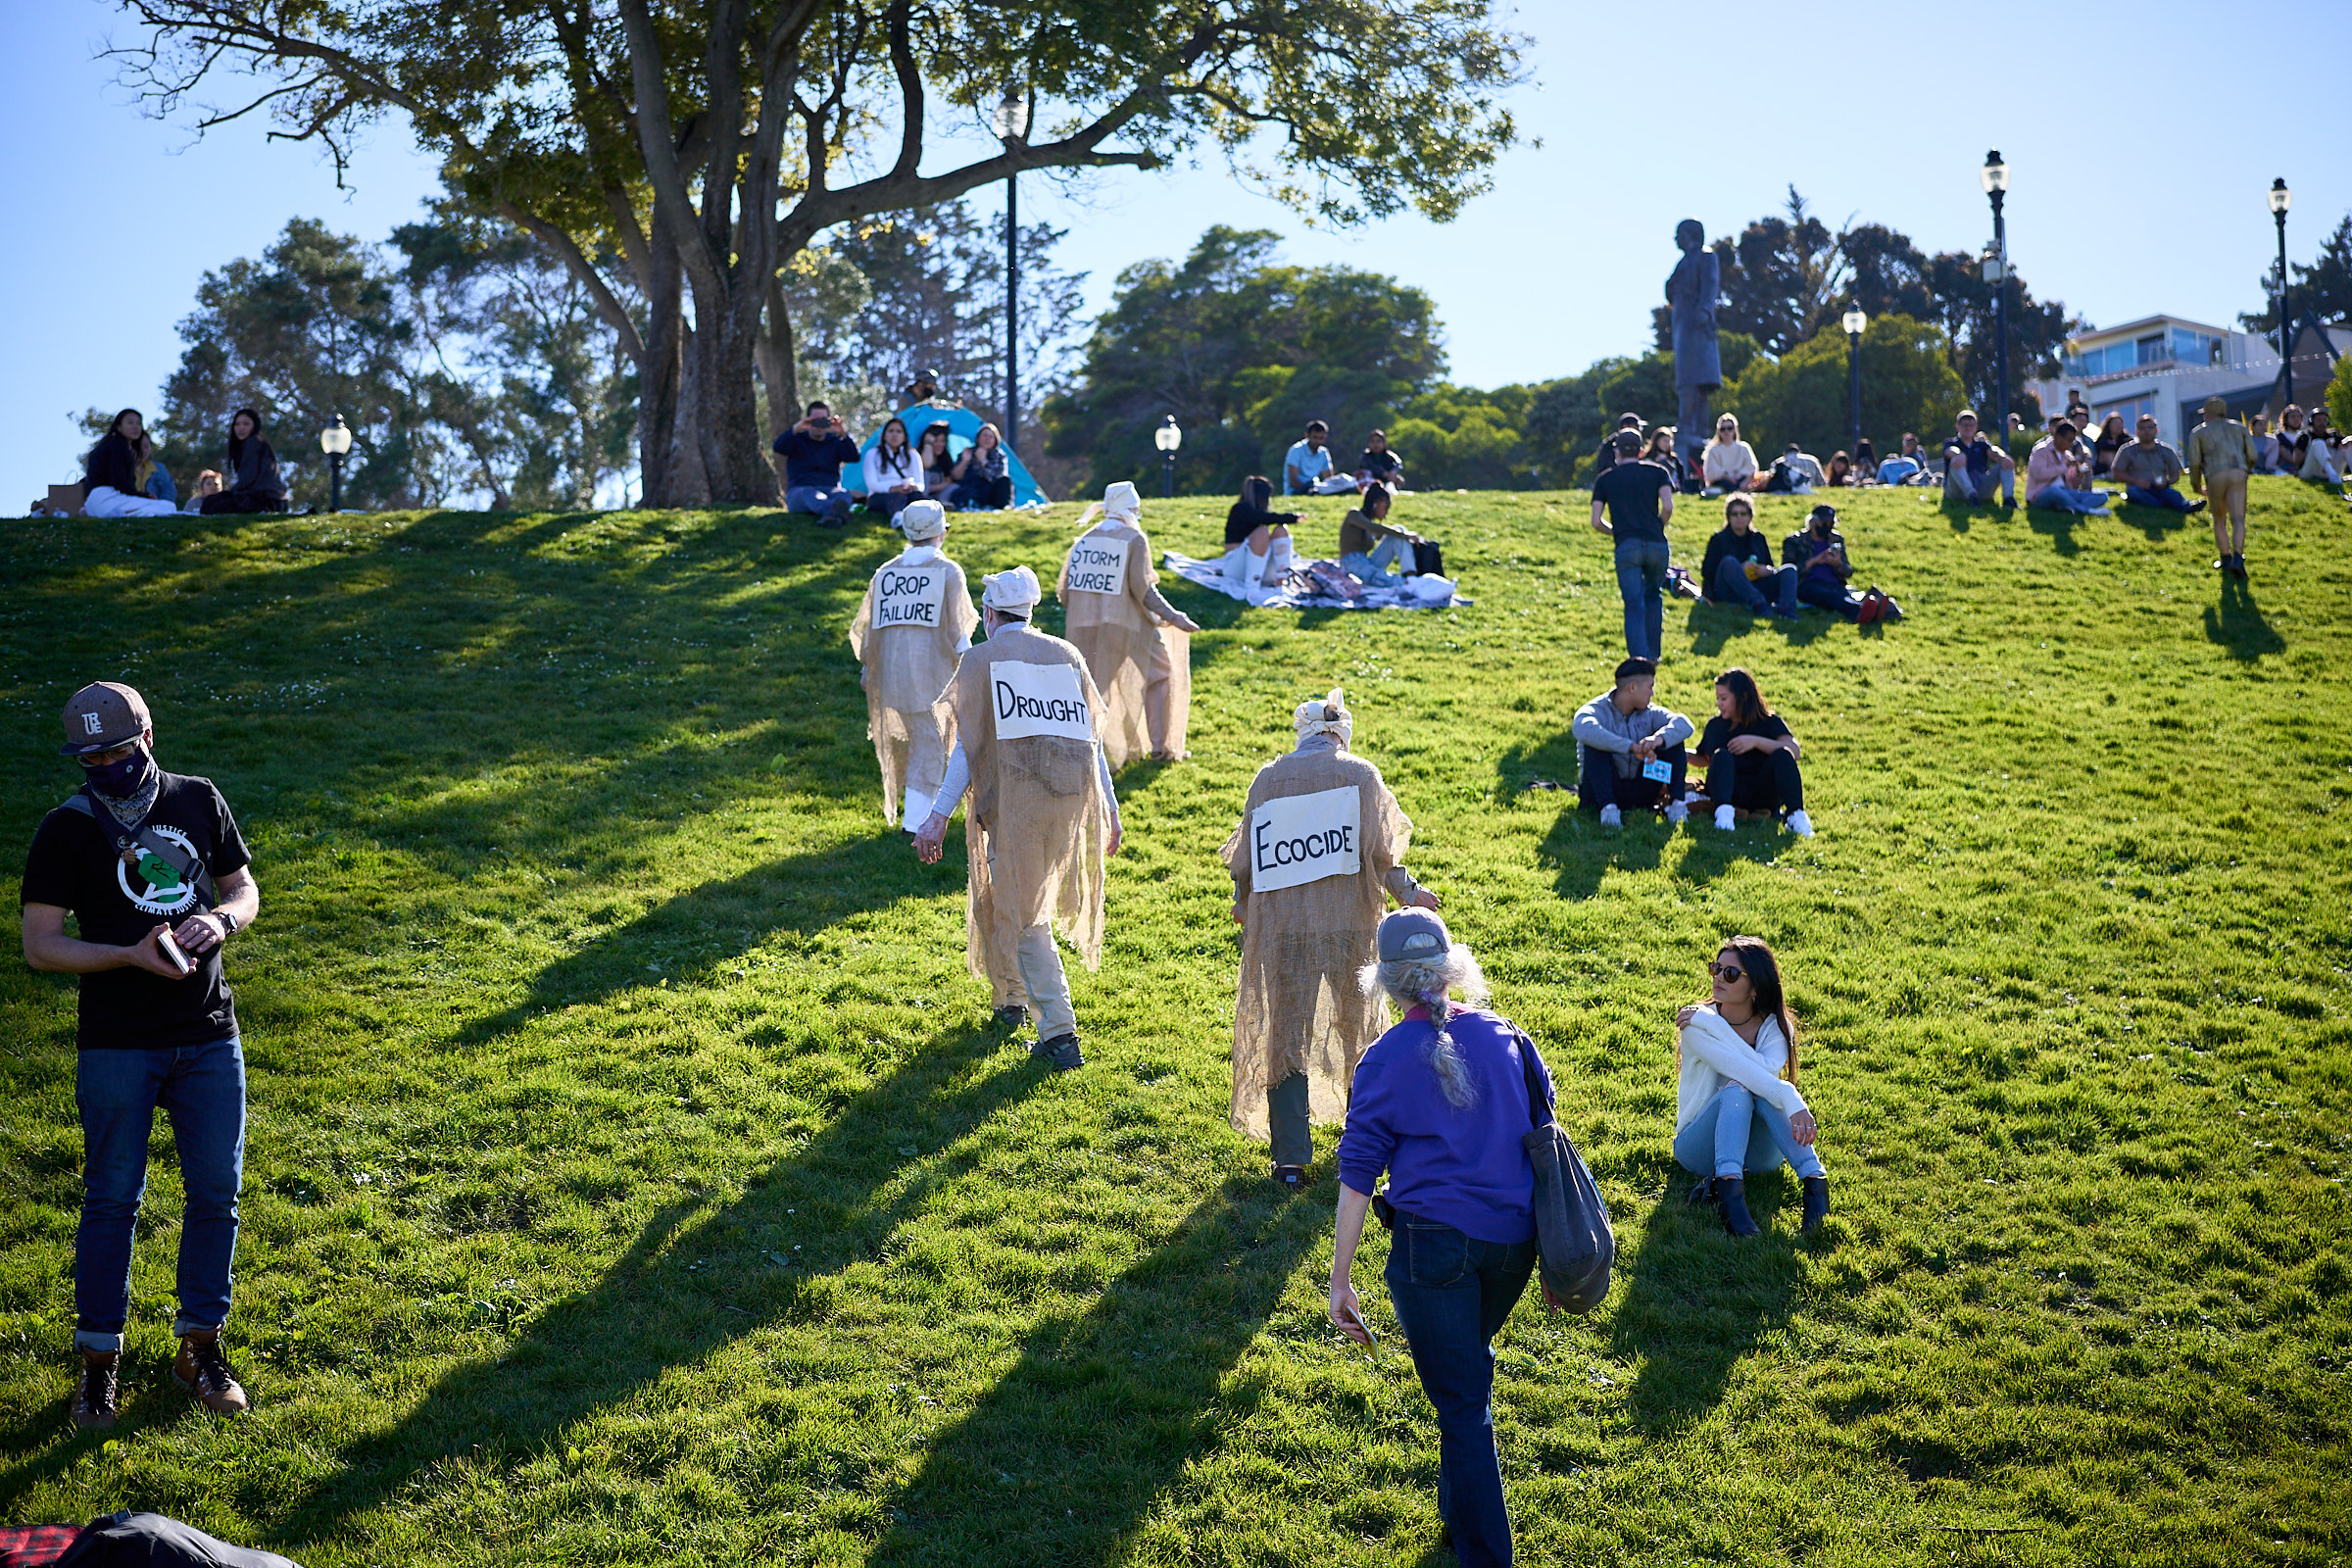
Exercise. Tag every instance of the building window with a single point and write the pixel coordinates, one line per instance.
(2195, 348)
(2131, 409)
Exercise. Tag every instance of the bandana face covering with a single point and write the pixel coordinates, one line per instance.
(127, 787)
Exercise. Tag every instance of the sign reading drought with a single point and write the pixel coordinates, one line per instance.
(908, 596)
(1099, 564)
(1038, 699)
(1306, 838)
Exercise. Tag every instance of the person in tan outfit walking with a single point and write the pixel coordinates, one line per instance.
(1316, 857)
(914, 626)
(2220, 455)
(1138, 645)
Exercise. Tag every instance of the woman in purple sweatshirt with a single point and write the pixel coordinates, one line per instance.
(1440, 1103)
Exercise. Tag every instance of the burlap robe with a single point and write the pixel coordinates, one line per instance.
(1142, 665)
(907, 669)
(1038, 802)
(1302, 1008)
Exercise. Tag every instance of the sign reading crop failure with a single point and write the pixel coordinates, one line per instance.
(1306, 838)
(1038, 699)
(908, 596)
(1099, 564)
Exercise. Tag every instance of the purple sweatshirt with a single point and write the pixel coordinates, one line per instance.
(1463, 1168)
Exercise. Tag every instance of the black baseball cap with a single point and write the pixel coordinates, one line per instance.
(1824, 510)
(101, 717)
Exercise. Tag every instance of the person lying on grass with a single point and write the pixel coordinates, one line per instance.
(1750, 756)
(1737, 1109)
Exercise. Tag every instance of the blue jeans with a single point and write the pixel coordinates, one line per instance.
(827, 501)
(2162, 495)
(1827, 593)
(202, 1089)
(2058, 498)
(1451, 1293)
(1390, 551)
(1642, 584)
(1961, 485)
(1732, 587)
(1738, 1134)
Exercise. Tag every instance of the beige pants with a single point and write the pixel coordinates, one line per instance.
(1047, 988)
(2226, 494)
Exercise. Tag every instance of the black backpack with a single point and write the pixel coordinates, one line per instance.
(1575, 1246)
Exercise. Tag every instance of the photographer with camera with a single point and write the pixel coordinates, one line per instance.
(152, 868)
(814, 453)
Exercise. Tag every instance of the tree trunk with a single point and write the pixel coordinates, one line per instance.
(663, 413)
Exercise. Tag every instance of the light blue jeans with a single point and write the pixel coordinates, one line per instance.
(1389, 552)
(1642, 584)
(1737, 1134)
(2058, 498)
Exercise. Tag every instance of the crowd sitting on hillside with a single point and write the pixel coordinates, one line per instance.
(122, 477)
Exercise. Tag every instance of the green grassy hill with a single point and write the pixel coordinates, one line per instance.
(633, 1178)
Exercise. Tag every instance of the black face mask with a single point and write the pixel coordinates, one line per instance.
(122, 779)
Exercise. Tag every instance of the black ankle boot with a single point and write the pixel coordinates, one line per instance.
(1731, 1196)
(1817, 1201)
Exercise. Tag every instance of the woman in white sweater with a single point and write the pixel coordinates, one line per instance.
(1739, 1110)
(1727, 461)
(894, 473)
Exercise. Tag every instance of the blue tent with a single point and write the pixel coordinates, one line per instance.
(963, 424)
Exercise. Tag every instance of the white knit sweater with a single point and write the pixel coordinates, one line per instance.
(1713, 1054)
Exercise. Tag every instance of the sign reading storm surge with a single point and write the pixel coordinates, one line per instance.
(1039, 700)
(908, 596)
(1306, 838)
(1099, 564)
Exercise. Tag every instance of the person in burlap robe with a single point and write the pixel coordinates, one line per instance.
(1305, 1017)
(909, 664)
(1044, 815)
(1139, 646)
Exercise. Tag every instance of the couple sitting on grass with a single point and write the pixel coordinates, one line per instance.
(1814, 568)
(1631, 754)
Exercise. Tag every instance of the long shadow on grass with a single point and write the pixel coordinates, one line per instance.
(1697, 1299)
(1103, 1410)
(1713, 626)
(694, 1279)
(2239, 626)
(1583, 853)
(2056, 527)
(2156, 523)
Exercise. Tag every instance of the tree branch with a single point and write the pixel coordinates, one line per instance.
(575, 262)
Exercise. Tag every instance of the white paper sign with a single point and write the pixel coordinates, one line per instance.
(1099, 564)
(1038, 700)
(908, 596)
(1306, 838)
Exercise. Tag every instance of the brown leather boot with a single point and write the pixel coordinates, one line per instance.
(203, 1371)
(94, 1406)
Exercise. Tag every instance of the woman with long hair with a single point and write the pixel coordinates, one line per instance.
(1840, 472)
(1751, 756)
(1660, 451)
(2112, 438)
(1727, 463)
(939, 469)
(1441, 1102)
(114, 473)
(1257, 539)
(892, 473)
(1369, 543)
(1738, 1110)
(250, 481)
(983, 476)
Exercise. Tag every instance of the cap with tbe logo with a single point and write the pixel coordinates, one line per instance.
(101, 717)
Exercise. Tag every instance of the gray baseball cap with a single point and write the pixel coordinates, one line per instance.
(1413, 935)
(101, 717)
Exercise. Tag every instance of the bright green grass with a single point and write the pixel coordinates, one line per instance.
(633, 1178)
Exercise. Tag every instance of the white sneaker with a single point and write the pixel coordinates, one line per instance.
(1611, 817)
(1723, 818)
(1801, 824)
(1676, 813)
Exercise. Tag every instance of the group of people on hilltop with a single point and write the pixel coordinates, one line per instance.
(896, 472)
(122, 477)
(1309, 468)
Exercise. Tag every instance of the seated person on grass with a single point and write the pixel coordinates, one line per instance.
(2323, 460)
(814, 453)
(1970, 464)
(250, 479)
(1907, 466)
(1369, 545)
(115, 472)
(2058, 474)
(1661, 452)
(1307, 471)
(1795, 472)
(2150, 472)
(1818, 553)
(1737, 568)
(1379, 465)
(1750, 756)
(1737, 1113)
(1727, 463)
(1622, 741)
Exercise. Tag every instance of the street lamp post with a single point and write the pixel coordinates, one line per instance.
(1995, 178)
(1855, 322)
(1011, 123)
(1168, 438)
(2280, 199)
(335, 441)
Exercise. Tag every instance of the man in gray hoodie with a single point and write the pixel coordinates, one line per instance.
(1629, 751)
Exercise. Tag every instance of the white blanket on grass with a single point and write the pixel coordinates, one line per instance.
(1297, 589)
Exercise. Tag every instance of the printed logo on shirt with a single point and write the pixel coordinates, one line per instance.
(1099, 564)
(1306, 838)
(1038, 699)
(161, 890)
(908, 596)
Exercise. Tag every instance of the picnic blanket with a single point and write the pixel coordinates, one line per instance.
(1309, 586)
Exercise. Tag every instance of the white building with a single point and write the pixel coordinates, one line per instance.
(2168, 366)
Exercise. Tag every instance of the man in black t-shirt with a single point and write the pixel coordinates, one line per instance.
(1638, 498)
(157, 877)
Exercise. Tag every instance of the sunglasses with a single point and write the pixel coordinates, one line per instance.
(1727, 972)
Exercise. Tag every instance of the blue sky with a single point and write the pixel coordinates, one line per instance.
(1859, 104)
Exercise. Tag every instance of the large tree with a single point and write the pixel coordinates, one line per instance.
(705, 143)
(2324, 289)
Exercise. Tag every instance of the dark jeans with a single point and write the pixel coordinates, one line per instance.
(830, 502)
(981, 491)
(1287, 1117)
(1773, 783)
(1598, 783)
(1732, 587)
(202, 1089)
(1451, 1294)
(1834, 597)
(1642, 583)
(2162, 495)
(240, 503)
(888, 504)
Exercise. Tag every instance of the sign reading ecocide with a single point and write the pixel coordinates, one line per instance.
(1099, 564)
(1038, 699)
(1306, 838)
(908, 596)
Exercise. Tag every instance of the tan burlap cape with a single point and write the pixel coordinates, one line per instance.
(907, 670)
(1143, 663)
(1036, 801)
(1300, 1008)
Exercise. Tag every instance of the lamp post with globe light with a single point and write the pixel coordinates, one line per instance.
(1012, 125)
(1854, 323)
(335, 441)
(1994, 176)
(1168, 438)
(2280, 199)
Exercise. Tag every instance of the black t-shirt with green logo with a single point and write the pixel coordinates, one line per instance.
(74, 866)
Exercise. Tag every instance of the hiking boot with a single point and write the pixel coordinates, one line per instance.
(1060, 1053)
(2237, 566)
(1290, 1178)
(203, 1371)
(93, 1404)
(1731, 1196)
(1817, 1201)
